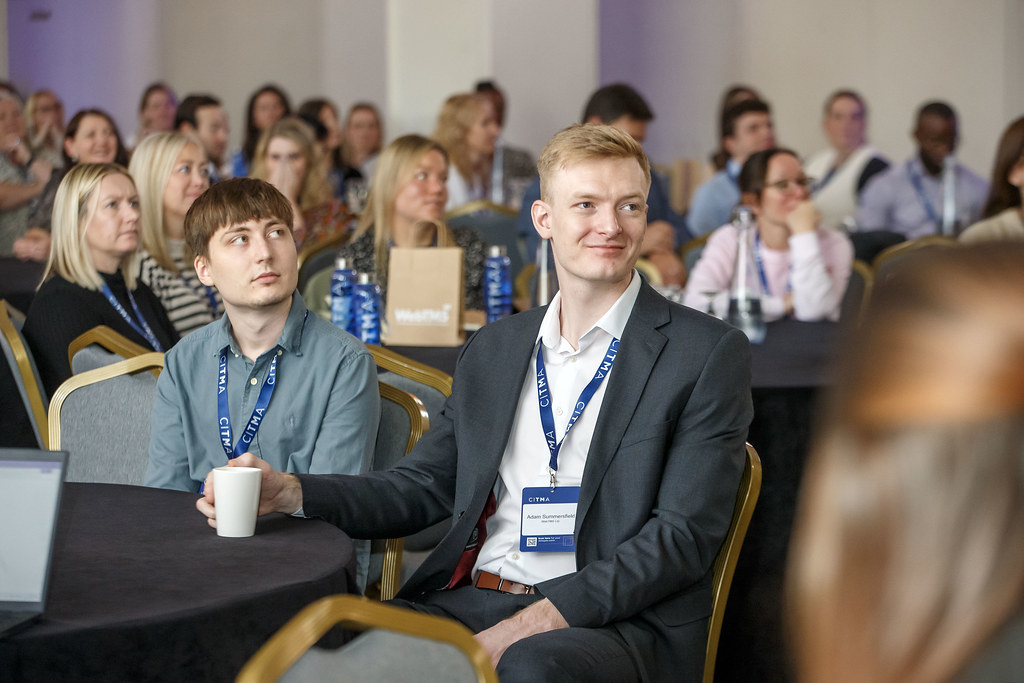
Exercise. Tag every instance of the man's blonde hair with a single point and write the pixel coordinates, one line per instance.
(73, 209)
(588, 142)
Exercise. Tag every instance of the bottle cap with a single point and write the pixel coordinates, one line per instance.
(365, 278)
(497, 250)
(341, 263)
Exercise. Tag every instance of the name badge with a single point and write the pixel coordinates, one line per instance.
(548, 519)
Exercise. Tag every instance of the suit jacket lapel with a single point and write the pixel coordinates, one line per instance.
(639, 348)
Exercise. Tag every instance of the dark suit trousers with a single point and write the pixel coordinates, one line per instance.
(572, 654)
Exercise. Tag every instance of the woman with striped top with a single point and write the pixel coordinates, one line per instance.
(171, 170)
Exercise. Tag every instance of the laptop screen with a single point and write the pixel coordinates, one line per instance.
(30, 486)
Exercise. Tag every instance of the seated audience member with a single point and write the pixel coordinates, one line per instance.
(467, 128)
(842, 170)
(288, 158)
(23, 181)
(45, 115)
(907, 561)
(746, 128)
(732, 96)
(91, 277)
(363, 138)
(171, 171)
(203, 117)
(316, 407)
(648, 467)
(621, 106)
(909, 198)
(405, 208)
(156, 111)
(1003, 217)
(803, 267)
(267, 106)
(338, 173)
(515, 166)
(91, 137)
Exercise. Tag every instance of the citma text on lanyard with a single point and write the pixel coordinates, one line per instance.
(547, 418)
(142, 327)
(224, 416)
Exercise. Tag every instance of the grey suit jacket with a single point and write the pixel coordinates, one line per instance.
(658, 486)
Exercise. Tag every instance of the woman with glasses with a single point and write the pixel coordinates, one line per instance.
(803, 268)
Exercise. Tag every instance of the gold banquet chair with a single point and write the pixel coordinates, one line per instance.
(102, 418)
(403, 420)
(729, 553)
(889, 259)
(23, 370)
(399, 645)
(432, 387)
(101, 346)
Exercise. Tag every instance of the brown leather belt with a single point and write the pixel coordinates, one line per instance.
(493, 582)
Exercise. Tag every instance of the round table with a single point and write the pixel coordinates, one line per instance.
(142, 589)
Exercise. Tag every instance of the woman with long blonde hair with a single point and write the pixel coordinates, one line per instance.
(908, 558)
(405, 208)
(91, 276)
(171, 171)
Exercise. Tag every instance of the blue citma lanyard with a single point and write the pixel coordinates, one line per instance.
(224, 416)
(547, 419)
(142, 327)
(915, 180)
(760, 268)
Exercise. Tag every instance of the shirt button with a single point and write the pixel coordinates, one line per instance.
(279, 352)
(558, 411)
(573, 359)
(253, 381)
(515, 556)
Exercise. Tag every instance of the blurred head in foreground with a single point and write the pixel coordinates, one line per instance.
(908, 555)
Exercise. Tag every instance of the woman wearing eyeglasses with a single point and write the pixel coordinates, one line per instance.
(803, 267)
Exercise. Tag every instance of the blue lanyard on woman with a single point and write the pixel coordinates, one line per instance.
(760, 268)
(224, 414)
(547, 419)
(142, 327)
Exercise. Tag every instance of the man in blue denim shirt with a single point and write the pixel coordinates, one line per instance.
(269, 378)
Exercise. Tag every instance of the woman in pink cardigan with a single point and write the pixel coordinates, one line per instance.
(803, 267)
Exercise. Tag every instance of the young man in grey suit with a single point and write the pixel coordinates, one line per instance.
(589, 454)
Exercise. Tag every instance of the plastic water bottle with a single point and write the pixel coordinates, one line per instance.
(745, 293)
(342, 281)
(497, 284)
(367, 309)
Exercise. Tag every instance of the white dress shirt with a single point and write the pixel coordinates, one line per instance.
(525, 460)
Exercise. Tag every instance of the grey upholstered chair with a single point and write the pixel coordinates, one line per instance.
(102, 418)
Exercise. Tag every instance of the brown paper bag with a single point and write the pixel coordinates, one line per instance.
(425, 297)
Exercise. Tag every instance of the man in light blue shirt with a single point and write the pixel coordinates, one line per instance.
(909, 198)
(747, 128)
(269, 378)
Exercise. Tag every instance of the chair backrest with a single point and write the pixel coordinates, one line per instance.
(403, 420)
(858, 293)
(728, 554)
(23, 369)
(409, 646)
(317, 292)
(496, 224)
(889, 259)
(319, 255)
(690, 252)
(102, 418)
(428, 384)
(649, 271)
(104, 338)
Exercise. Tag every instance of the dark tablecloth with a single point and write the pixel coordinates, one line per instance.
(143, 590)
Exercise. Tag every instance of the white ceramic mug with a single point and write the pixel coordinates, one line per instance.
(237, 499)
